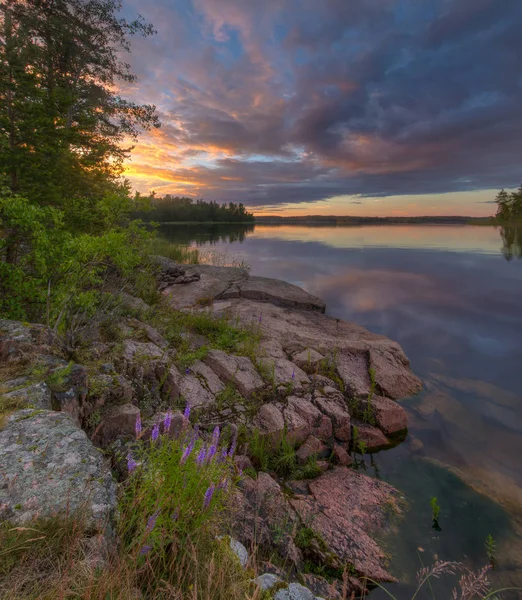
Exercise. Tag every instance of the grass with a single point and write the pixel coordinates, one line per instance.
(280, 458)
(172, 507)
(181, 254)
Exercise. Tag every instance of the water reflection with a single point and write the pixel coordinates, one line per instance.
(203, 234)
(512, 241)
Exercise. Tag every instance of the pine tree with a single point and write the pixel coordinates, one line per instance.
(503, 206)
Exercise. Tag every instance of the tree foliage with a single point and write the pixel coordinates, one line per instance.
(174, 208)
(509, 206)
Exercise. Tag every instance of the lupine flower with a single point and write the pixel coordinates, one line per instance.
(260, 318)
(215, 435)
(155, 432)
(145, 550)
(151, 522)
(223, 456)
(186, 414)
(201, 456)
(167, 421)
(131, 463)
(208, 496)
(196, 431)
(138, 425)
(293, 373)
(187, 371)
(187, 452)
(211, 453)
(175, 515)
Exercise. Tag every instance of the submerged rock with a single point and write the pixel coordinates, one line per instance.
(49, 468)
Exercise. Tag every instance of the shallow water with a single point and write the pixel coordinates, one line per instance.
(448, 295)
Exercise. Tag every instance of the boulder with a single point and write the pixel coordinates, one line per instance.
(276, 291)
(294, 591)
(311, 448)
(337, 411)
(341, 456)
(186, 386)
(389, 416)
(372, 438)
(319, 424)
(117, 421)
(133, 305)
(263, 518)
(22, 393)
(308, 359)
(297, 427)
(281, 371)
(238, 369)
(270, 423)
(267, 581)
(69, 392)
(19, 340)
(345, 508)
(207, 376)
(271, 349)
(149, 333)
(50, 467)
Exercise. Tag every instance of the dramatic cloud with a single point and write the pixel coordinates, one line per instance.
(289, 101)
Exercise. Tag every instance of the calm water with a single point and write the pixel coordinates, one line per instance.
(448, 295)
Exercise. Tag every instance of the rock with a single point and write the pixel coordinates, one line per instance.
(178, 425)
(242, 462)
(238, 369)
(69, 392)
(21, 339)
(207, 376)
(319, 424)
(389, 416)
(141, 352)
(148, 332)
(353, 348)
(271, 349)
(240, 551)
(294, 591)
(270, 423)
(31, 395)
(50, 467)
(308, 359)
(323, 465)
(336, 410)
(263, 518)
(267, 581)
(334, 590)
(311, 448)
(279, 292)
(345, 508)
(341, 456)
(117, 421)
(186, 386)
(281, 371)
(212, 284)
(135, 306)
(372, 438)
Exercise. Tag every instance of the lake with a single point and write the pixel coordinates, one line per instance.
(451, 295)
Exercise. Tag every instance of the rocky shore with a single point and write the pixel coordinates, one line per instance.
(328, 387)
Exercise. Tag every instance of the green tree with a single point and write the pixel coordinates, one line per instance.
(503, 206)
(62, 124)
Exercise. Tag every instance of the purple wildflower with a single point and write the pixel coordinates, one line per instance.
(186, 414)
(151, 522)
(208, 496)
(131, 463)
(155, 432)
(293, 373)
(211, 453)
(145, 550)
(187, 371)
(223, 456)
(260, 318)
(138, 425)
(215, 435)
(175, 515)
(196, 431)
(167, 421)
(187, 452)
(201, 456)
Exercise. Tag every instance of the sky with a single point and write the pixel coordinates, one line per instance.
(346, 107)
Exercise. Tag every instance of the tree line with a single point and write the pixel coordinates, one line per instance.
(175, 208)
(509, 206)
